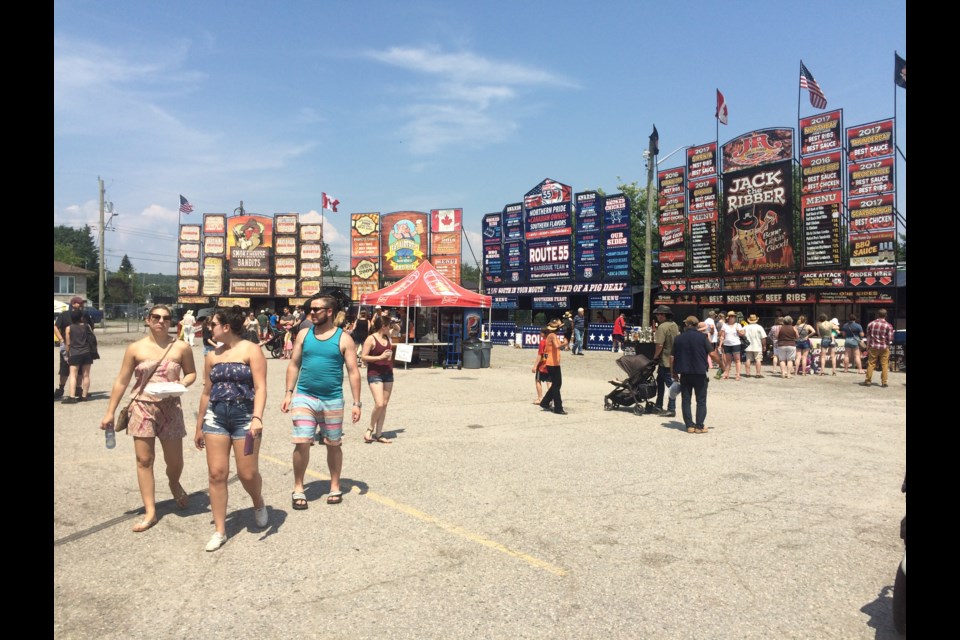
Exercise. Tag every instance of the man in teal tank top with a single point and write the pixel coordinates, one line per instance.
(314, 394)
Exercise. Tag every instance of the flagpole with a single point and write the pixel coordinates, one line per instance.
(896, 204)
(796, 141)
(322, 240)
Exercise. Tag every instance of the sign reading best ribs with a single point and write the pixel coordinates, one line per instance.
(870, 177)
(703, 194)
(702, 161)
(758, 202)
(671, 182)
(821, 133)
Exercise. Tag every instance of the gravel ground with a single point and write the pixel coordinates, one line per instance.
(487, 518)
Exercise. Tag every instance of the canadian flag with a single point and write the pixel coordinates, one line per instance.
(722, 111)
(329, 202)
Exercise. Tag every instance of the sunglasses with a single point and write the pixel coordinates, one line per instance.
(159, 318)
(318, 309)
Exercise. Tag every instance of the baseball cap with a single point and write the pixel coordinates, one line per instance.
(76, 300)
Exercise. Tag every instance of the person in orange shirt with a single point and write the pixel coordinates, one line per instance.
(552, 353)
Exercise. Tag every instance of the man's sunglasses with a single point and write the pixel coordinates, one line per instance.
(317, 309)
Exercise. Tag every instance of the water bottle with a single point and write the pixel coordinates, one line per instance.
(110, 436)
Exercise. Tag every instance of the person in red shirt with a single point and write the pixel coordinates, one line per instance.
(619, 326)
(879, 339)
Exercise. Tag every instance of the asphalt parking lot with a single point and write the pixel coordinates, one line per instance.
(488, 518)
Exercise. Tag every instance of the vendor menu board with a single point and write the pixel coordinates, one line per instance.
(616, 236)
(492, 232)
(588, 226)
(821, 228)
(703, 242)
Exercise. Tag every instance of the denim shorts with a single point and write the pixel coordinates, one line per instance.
(803, 345)
(379, 377)
(730, 350)
(228, 418)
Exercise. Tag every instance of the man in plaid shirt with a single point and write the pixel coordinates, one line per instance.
(879, 339)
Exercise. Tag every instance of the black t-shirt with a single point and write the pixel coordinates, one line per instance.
(63, 321)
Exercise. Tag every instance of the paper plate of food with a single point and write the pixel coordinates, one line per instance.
(165, 389)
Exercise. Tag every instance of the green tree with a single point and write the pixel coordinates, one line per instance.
(327, 263)
(902, 248)
(78, 248)
(469, 273)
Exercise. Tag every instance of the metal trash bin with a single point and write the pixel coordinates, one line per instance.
(472, 348)
(485, 347)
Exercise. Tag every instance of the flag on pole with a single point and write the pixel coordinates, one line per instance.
(817, 99)
(329, 202)
(722, 112)
(185, 206)
(900, 71)
(655, 141)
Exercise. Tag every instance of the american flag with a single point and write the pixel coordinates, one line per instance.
(817, 99)
(185, 206)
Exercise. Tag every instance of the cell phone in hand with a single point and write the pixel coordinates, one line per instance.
(248, 443)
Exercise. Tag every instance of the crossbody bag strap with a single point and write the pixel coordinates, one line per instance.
(152, 371)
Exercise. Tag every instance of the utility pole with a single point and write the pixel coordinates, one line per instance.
(650, 155)
(101, 280)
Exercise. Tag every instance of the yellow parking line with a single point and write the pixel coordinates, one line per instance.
(452, 528)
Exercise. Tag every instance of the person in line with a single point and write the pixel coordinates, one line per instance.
(667, 331)
(63, 321)
(714, 334)
(730, 332)
(540, 372)
(231, 405)
(852, 335)
(827, 344)
(377, 353)
(619, 329)
(552, 400)
(774, 331)
(579, 327)
(690, 363)
(879, 339)
(361, 329)
(189, 327)
(314, 394)
(263, 324)
(567, 330)
(156, 357)
(251, 328)
(81, 350)
(804, 332)
(758, 345)
(787, 346)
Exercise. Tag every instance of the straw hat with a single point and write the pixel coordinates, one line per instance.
(663, 309)
(731, 313)
(553, 325)
(753, 319)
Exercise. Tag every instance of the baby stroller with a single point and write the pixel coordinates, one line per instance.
(274, 343)
(637, 389)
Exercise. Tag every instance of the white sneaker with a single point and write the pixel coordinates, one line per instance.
(217, 540)
(260, 515)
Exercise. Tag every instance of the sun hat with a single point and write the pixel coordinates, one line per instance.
(553, 325)
(665, 310)
(753, 319)
(691, 321)
(731, 313)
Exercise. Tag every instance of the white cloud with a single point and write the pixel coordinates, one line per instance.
(467, 66)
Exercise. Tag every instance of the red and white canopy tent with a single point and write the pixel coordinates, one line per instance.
(427, 287)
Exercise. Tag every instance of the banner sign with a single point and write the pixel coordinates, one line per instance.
(249, 287)
(310, 269)
(285, 287)
(189, 233)
(704, 284)
(616, 236)
(799, 297)
(873, 297)
(502, 332)
(835, 297)
(551, 302)
(403, 243)
(548, 259)
(189, 251)
(870, 177)
(188, 286)
(672, 209)
(249, 244)
(712, 299)
(821, 133)
(610, 301)
(673, 284)
(214, 223)
(871, 213)
(738, 298)
(311, 232)
(758, 148)
(449, 266)
(285, 223)
(446, 220)
(776, 281)
(822, 173)
(821, 228)
(365, 235)
(704, 251)
(505, 302)
(188, 268)
(588, 223)
(529, 336)
(872, 249)
(309, 288)
(873, 140)
(548, 210)
(513, 222)
(212, 276)
(566, 287)
(193, 300)
(285, 245)
(285, 267)
(445, 244)
(672, 263)
(492, 263)
(599, 336)
(758, 215)
(513, 261)
(740, 283)
(768, 298)
(311, 251)
(822, 279)
(243, 303)
(491, 229)
(703, 194)
(364, 276)
(882, 277)
(671, 182)
(214, 246)
(702, 161)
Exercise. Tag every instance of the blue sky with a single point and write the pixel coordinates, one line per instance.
(420, 105)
